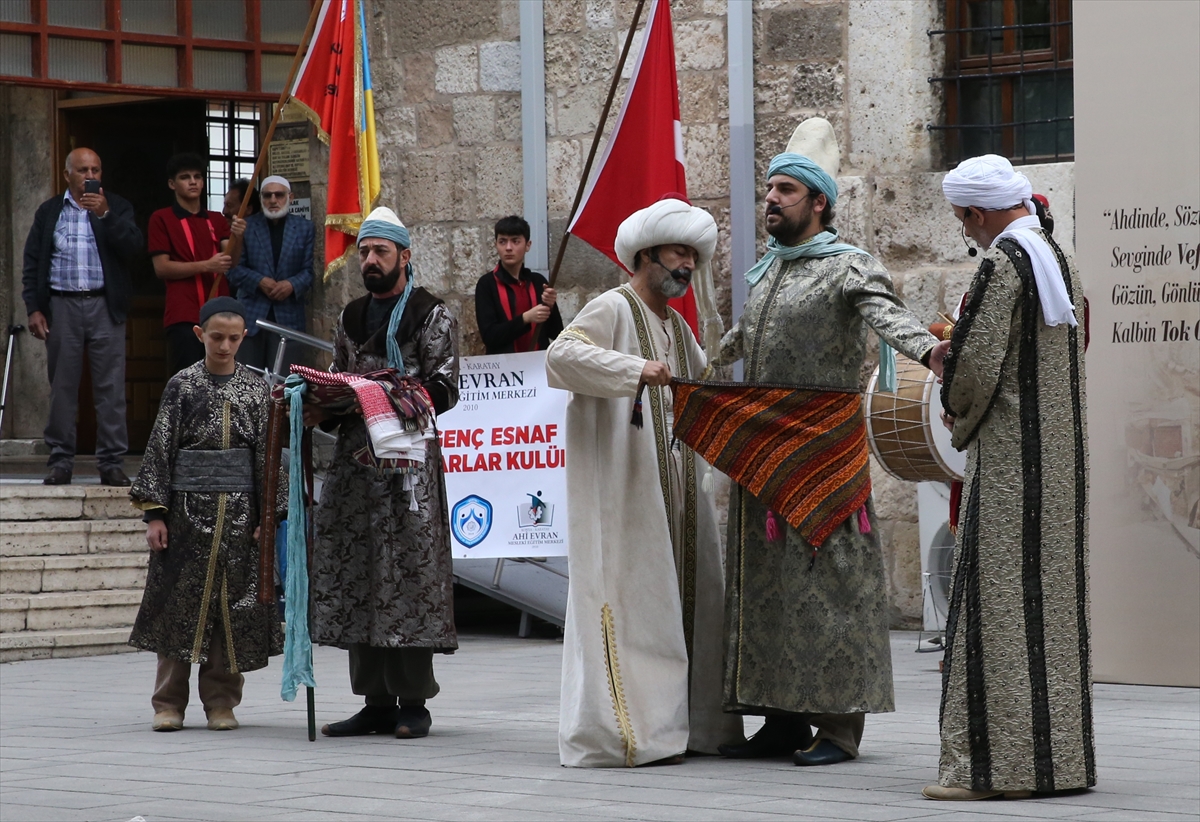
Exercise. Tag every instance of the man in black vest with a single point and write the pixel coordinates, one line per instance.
(510, 299)
(77, 289)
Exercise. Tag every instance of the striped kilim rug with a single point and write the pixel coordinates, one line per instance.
(802, 452)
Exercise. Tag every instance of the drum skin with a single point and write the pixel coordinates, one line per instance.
(905, 429)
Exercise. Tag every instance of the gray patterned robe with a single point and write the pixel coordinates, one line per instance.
(382, 575)
(1017, 686)
(800, 640)
(207, 578)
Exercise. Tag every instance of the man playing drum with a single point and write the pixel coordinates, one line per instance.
(807, 641)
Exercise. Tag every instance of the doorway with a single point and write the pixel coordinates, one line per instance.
(135, 138)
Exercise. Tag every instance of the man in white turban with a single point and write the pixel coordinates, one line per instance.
(641, 679)
(1017, 688)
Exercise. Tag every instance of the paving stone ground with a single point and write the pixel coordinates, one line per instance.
(75, 744)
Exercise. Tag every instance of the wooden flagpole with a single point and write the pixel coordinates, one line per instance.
(234, 249)
(587, 168)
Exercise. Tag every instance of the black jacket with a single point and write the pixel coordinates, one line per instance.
(118, 240)
(498, 331)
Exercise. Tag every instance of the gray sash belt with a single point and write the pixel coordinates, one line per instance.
(231, 470)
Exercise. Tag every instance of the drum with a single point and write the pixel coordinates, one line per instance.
(905, 429)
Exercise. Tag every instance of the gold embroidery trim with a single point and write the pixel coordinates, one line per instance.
(615, 689)
(576, 334)
(218, 533)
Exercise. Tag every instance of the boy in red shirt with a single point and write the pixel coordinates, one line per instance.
(187, 245)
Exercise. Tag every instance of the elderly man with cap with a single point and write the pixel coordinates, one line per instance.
(382, 577)
(643, 629)
(1016, 688)
(198, 486)
(275, 272)
(807, 626)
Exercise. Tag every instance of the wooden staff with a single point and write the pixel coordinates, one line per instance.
(587, 167)
(268, 522)
(234, 249)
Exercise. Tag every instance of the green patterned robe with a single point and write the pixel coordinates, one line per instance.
(1017, 687)
(207, 578)
(801, 640)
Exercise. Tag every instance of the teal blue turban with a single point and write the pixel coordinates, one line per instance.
(383, 223)
(799, 167)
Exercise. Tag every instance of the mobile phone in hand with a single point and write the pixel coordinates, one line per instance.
(91, 186)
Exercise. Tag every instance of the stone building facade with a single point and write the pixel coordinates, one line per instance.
(447, 85)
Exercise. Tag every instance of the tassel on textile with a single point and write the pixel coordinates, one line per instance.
(864, 522)
(774, 532)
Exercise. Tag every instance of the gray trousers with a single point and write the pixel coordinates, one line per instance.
(843, 730)
(385, 675)
(79, 323)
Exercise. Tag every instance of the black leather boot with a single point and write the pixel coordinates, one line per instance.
(372, 719)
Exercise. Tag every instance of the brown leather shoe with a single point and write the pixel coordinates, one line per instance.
(113, 476)
(58, 476)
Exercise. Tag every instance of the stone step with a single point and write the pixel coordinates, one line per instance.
(47, 644)
(68, 610)
(34, 501)
(45, 538)
(79, 572)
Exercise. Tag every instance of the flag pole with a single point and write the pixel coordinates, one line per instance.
(587, 168)
(235, 244)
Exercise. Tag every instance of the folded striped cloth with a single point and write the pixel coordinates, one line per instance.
(801, 451)
(397, 409)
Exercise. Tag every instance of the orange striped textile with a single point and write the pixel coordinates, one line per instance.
(801, 451)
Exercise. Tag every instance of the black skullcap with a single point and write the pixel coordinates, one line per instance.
(221, 305)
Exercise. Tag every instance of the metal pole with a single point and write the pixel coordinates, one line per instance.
(13, 330)
(742, 188)
(533, 133)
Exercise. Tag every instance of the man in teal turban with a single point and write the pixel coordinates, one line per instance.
(382, 575)
(807, 641)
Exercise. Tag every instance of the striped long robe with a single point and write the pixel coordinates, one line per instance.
(1017, 689)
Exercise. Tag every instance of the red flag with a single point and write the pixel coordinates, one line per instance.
(333, 86)
(644, 157)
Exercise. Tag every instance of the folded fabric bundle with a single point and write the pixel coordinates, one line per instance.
(397, 409)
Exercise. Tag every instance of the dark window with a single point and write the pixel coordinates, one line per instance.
(241, 48)
(1008, 81)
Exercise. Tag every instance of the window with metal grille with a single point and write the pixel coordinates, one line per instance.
(232, 147)
(1008, 81)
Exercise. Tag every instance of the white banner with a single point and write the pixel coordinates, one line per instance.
(504, 454)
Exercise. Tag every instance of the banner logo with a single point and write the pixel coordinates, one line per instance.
(535, 513)
(471, 520)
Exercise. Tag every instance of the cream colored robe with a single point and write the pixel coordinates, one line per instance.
(647, 584)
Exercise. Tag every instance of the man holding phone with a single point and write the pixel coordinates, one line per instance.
(77, 289)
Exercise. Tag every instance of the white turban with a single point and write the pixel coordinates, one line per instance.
(670, 222)
(991, 183)
(275, 178)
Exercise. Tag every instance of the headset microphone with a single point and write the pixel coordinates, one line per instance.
(972, 251)
(679, 274)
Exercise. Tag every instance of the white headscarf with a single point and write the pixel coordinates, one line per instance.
(991, 183)
(674, 221)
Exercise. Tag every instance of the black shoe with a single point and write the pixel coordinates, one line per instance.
(58, 476)
(779, 736)
(372, 719)
(823, 752)
(412, 723)
(113, 476)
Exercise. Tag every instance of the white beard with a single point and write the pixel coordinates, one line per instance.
(275, 215)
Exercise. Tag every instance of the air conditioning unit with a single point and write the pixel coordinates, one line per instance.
(937, 555)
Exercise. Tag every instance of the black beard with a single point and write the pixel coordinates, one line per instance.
(789, 231)
(380, 283)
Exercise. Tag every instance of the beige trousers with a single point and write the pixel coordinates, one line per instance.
(218, 687)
